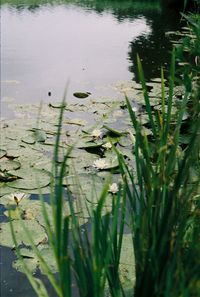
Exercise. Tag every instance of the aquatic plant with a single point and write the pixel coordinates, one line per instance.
(162, 198)
(159, 204)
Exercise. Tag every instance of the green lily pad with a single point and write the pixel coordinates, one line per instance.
(89, 144)
(33, 262)
(40, 135)
(8, 165)
(114, 131)
(30, 139)
(13, 153)
(2, 153)
(81, 95)
(127, 262)
(57, 104)
(77, 122)
(7, 177)
(37, 232)
(31, 179)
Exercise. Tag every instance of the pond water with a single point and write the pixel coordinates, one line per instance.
(91, 44)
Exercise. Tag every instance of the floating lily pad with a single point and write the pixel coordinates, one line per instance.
(30, 139)
(13, 153)
(81, 95)
(40, 135)
(114, 131)
(2, 153)
(127, 262)
(8, 165)
(78, 122)
(90, 144)
(31, 179)
(33, 262)
(30, 261)
(57, 104)
(37, 232)
(7, 177)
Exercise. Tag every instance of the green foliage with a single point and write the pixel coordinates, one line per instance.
(162, 199)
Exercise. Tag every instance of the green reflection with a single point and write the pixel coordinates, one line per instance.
(120, 8)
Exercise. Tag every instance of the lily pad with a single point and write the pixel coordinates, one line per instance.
(33, 262)
(2, 153)
(78, 122)
(30, 139)
(7, 177)
(56, 105)
(37, 232)
(127, 262)
(81, 95)
(114, 131)
(8, 165)
(31, 179)
(40, 135)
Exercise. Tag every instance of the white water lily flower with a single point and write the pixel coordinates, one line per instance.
(96, 133)
(107, 145)
(134, 108)
(113, 188)
(17, 197)
(100, 164)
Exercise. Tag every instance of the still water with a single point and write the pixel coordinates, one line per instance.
(91, 44)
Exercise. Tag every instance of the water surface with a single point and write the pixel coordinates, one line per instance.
(92, 44)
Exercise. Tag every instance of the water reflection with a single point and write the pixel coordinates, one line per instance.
(154, 49)
(92, 43)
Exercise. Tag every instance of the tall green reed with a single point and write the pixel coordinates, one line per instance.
(161, 196)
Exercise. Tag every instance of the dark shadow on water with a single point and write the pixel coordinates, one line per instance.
(15, 283)
(155, 49)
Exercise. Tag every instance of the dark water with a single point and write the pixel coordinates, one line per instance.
(90, 43)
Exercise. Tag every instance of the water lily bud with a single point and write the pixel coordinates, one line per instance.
(17, 197)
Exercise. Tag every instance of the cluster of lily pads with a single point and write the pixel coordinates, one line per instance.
(92, 128)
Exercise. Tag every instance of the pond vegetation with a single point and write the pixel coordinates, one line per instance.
(122, 179)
